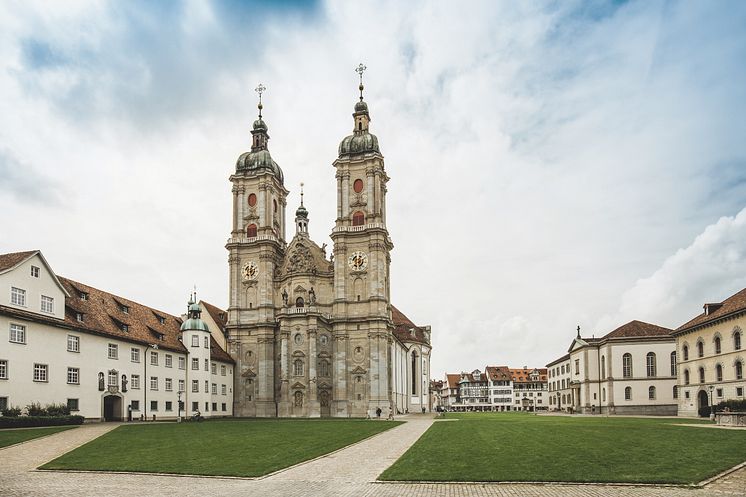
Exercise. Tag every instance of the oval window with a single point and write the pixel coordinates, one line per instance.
(358, 186)
(252, 199)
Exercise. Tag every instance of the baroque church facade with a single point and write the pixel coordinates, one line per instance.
(316, 335)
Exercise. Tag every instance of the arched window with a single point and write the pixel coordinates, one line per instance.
(685, 350)
(298, 367)
(358, 218)
(686, 377)
(299, 302)
(675, 392)
(603, 395)
(701, 375)
(651, 393)
(651, 366)
(700, 348)
(358, 186)
(627, 365)
(563, 399)
(739, 370)
(627, 393)
(251, 230)
(717, 345)
(737, 340)
(252, 199)
(324, 368)
(603, 367)
(719, 372)
(673, 363)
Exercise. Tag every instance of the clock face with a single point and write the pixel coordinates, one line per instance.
(250, 270)
(358, 261)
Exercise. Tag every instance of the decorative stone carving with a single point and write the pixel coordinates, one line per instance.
(300, 259)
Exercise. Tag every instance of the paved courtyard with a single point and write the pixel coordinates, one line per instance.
(348, 472)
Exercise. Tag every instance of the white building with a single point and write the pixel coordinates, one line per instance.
(530, 389)
(500, 388)
(104, 356)
(559, 377)
(630, 370)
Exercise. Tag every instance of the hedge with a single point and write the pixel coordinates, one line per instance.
(29, 421)
(732, 404)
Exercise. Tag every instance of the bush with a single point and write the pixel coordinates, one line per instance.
(29, 421)
(11, 412)
(733, 405)
(35, 409)
(57, 410)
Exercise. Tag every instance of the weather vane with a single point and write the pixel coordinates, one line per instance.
(360, 70)
(260, 89)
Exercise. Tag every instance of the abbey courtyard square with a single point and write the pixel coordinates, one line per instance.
(324, 248)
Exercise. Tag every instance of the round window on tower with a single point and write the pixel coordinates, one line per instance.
(252, 199)
(358, 186)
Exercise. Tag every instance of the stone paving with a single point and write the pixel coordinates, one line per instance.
(345, 473)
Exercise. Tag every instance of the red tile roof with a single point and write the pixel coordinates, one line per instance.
(405, 330)
(523, 375)
(217, 314)
(8, 261)
(557, 361)
(637, 329)
(733, 304)
(498, 373)
(453, 380)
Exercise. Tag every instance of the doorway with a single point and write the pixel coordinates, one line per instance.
(112, 408)
(704, 405)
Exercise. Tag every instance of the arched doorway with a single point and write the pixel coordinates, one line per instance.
(325, 402)
(704, 406)
(112, 408)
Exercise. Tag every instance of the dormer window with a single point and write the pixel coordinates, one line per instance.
(34, 271)
(79, 316)
(125, 309)
(160, 318)
(83, 296)
(124, 327)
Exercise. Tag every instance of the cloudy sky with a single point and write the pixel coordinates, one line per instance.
(552, 164)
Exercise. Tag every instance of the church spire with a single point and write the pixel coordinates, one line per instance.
(259, 133)
(301, 217)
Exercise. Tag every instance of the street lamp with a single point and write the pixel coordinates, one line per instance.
(559, 406)
(179, 405)
(712, 407)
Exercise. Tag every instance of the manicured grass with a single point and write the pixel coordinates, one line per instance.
(218, 448)
(18, 435)
(523, 447)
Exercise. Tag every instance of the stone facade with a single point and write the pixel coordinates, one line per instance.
(315, 334)
(711, 357)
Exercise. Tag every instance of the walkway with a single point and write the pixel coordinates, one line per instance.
(349, 472)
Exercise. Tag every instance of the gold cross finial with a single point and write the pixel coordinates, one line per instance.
(260, 89)
(360, 70)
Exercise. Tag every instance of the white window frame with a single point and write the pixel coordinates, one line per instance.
(41, 373)
(182, 362)
(214, 389)
(213, 368)
(195, 364)
(169, 385)
(182, 385)
(169, 361)
(207, 342)
(73, 376)
(135, 381)
(222, 370)
(73, 343)
(35, 271)
(47, 304)
(135, 354)
(112, 378)
(3, 369)
(17, 296)
(113, 351)
(195, 386)
(223, 389)
(195, 341)
(153, 358)
(154, 383)
(17, 330)
(77, 405)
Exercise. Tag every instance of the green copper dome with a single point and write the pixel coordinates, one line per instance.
(256, 162)
(194, 324)
(359, 143)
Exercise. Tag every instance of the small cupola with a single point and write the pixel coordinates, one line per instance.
(194, 313)
(301, 217)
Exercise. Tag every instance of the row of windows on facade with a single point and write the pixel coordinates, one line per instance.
(41, 374)
(717, 345)
(18, 298)
(74, 405)
(737, 370)
(567, 399)
(18, 335)
(559, 370)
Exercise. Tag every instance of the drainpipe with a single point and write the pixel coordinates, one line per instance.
(598, 364)
(144, 383)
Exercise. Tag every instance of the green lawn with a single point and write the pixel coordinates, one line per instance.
(18, 435)
(219, 448)
(523, 447)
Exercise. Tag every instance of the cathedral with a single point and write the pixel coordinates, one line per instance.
(315, 334)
